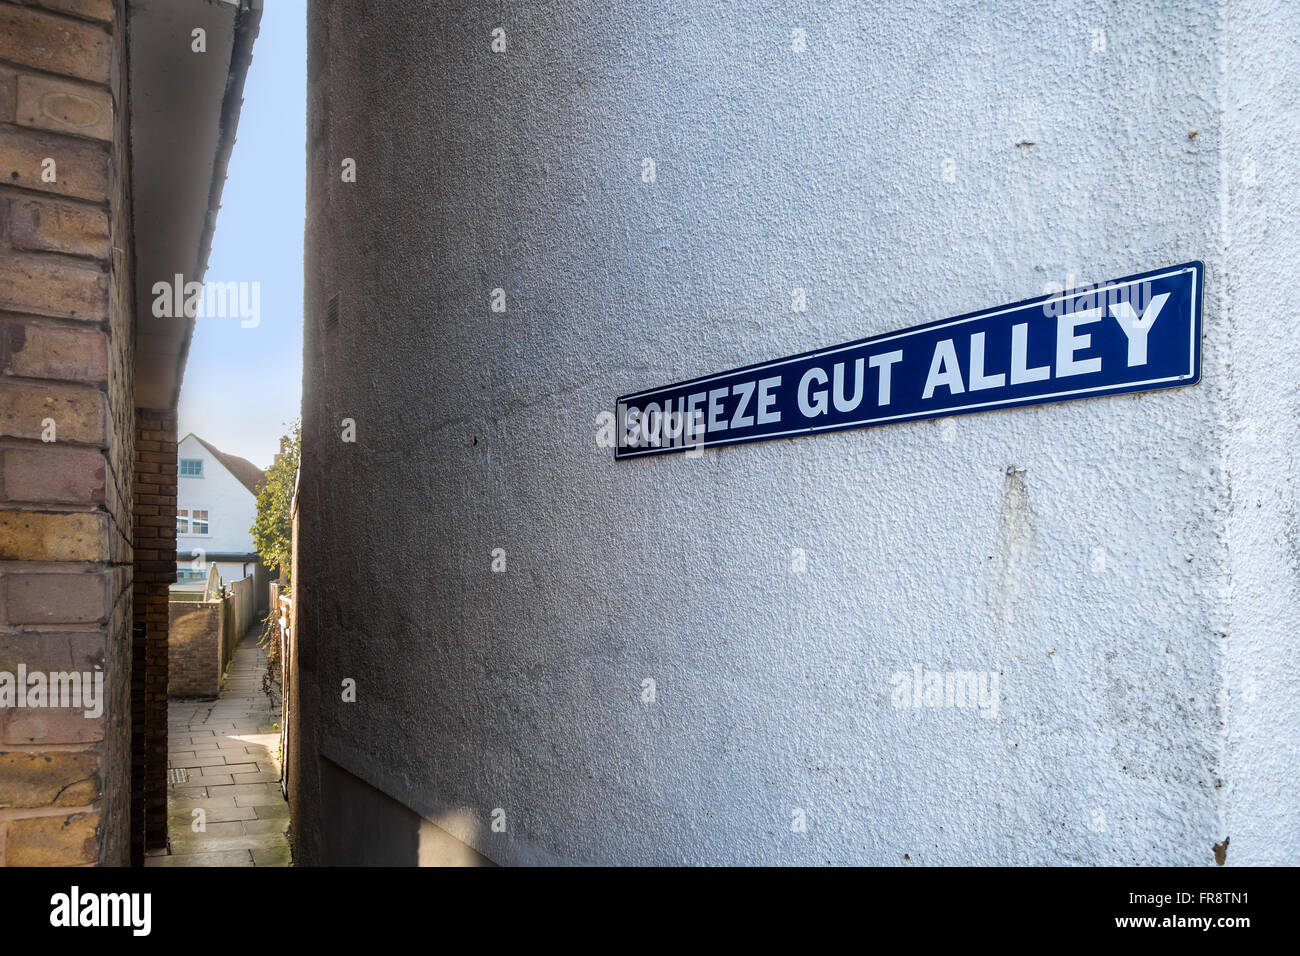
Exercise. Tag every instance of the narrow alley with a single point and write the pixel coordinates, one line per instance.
(223, 760)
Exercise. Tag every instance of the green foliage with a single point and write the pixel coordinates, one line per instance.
(273, 529)
(270, 642)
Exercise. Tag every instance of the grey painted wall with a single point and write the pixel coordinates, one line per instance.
(1126, 566)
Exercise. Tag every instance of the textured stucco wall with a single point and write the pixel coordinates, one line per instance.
(1260, 421)
(1085, 553)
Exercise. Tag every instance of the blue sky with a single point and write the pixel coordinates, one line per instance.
(242, 386)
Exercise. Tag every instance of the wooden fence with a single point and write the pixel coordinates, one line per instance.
(236, 618)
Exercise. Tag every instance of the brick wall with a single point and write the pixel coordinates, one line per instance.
(67, 435)
(195, 645)
(155, 571)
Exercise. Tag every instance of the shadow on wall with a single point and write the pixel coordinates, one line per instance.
(369, 828)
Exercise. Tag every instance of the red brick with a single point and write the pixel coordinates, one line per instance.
(35, 350)
(55, 43)
(8, 94)
(102, 10)
(56, 779)
(81, 168)
(47, 598)
(53, 287)
(44, 226)
(52, 840)
(44, 102)
(45, 536)
(46, 651)
(79, 415)
(51, 474)
(50, 725)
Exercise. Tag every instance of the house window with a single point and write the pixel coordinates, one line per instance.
(200, 522)
(191, 467)
(183, 521)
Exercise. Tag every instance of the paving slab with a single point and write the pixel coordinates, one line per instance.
(278, 856)
(215, 858)
(226, 747)
(273, 825)
(180, 819)
(193, 762)
(256, 777)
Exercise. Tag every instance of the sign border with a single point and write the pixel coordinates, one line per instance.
(1195, 266)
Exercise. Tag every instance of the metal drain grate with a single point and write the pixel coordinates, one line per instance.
(178, 775)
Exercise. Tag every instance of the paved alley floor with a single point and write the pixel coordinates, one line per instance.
(223, 760)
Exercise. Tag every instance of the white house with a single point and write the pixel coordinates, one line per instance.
(216, 504)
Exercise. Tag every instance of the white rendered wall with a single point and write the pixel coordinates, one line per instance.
(1259, 426)
(231, 508)
(1123, 564)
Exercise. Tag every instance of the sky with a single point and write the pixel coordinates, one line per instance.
(243, 386)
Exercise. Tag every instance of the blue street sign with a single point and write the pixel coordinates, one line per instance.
(1135, 334)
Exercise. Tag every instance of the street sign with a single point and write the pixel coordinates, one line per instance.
(1135, 334)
